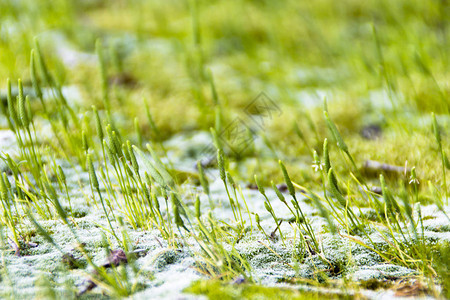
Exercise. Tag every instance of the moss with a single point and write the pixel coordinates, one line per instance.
(297, 53)
(166, 258)
(375, 284)
(218, 290)
(78, 213)
(442, 265)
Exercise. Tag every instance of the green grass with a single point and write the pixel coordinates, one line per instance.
(149, 73)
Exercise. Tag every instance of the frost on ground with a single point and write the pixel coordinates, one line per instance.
(161, 271)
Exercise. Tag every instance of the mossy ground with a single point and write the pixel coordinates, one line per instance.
(382, 66)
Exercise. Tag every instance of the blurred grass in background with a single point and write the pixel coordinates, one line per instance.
(379, 63)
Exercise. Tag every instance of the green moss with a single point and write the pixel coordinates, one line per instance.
(442, 265)
(380, 64)
(167, 258)
(375, 284)
(218, 290)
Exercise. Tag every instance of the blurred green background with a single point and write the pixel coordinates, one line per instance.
(381, 64)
